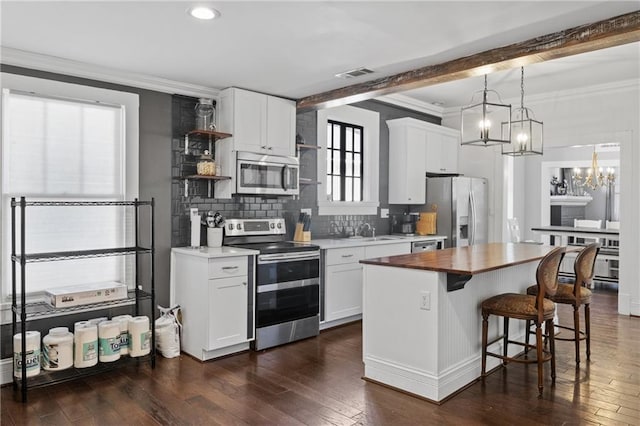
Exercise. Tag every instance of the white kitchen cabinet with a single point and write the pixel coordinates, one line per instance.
(343, 279)
(343, 283)
(407, 150)
(216, 296)
(442, 149)
(259, 123)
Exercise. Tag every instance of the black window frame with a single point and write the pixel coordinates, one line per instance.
(330, 173)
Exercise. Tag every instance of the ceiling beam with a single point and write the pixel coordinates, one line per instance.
(610, 32)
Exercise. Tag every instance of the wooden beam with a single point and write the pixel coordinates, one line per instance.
(610, 32)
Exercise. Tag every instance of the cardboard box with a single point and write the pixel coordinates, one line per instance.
(84, 294)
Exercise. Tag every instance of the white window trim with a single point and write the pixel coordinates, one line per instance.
(370, 121)
(130, 104)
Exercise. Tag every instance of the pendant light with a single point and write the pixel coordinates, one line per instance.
(525, 131)
(482, 119)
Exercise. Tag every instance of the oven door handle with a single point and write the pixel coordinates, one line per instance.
(283, 286)
(280, 257)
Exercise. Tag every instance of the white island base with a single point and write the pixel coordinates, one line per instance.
(422, 339)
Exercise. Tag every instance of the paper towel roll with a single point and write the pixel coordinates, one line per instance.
(123, 320)
(32, 339)
(97, 321)
(85, 353)
(109, 341)
(140, 343)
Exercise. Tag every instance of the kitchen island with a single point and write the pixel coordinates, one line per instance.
(421, 334)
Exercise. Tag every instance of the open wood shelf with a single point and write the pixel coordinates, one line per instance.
(305, 146)
(203, 177)
(217, 135)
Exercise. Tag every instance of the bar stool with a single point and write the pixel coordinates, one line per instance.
(575, 294)
(529, 308)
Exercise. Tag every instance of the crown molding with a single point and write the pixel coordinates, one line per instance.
(25, 59)
(412, 104)
(565, 95)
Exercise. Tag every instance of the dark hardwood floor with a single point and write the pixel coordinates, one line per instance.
(318, 381)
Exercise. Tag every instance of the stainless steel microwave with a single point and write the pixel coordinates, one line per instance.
(267, 174)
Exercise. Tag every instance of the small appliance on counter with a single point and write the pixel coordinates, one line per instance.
(404, 224)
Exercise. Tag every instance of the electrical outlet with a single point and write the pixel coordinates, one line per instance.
(384, 213)
(425, 300)
(307, 211)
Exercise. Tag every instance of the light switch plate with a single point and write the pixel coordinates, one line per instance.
(307, 211)
(384, 213)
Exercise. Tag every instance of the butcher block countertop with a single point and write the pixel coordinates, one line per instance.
(467, 260)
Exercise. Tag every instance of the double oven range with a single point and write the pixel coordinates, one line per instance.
(287, 281)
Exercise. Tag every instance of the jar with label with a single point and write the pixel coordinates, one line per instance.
(206, 166)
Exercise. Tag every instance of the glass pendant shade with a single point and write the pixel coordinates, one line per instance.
(481, 120)
(524, 131)
(526, 134)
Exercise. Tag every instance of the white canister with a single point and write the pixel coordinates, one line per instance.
(57, 349)
(140, 343)
(32, 339)
(85, 352)
(214, 237)
(123, 320)
(109, 341)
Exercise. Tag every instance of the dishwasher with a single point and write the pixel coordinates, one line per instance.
(430, 245)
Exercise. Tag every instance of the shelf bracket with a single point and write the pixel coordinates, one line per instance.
(186, 144)
(457, 281)
(186, 188)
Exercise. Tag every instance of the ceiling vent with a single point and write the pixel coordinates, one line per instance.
(354, 73)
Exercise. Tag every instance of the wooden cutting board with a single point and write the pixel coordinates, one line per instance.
(426, 225)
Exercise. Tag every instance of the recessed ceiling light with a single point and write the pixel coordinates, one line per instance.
(202, 12)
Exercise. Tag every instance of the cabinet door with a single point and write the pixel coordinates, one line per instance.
(228, 300)
(343, 291)
(442, 151)
(250, 121)
(281, 126)
(382, 250)
(407, 147)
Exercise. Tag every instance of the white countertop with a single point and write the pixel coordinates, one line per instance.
(213, 252)
(329, 243)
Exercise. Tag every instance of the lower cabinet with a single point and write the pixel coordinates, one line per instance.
(228, 312)
(216, 296)
(342, 278)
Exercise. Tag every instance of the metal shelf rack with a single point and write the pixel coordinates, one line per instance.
(23, 311)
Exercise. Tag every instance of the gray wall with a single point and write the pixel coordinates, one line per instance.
(155, 181)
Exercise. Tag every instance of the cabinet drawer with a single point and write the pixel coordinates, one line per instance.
(344, 255)
(383, 250)
(228, 267)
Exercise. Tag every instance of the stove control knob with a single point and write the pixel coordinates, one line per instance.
(239, 226)
(271, 225)
(279, 225)
(230, 226)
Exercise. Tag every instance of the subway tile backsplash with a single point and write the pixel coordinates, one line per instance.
(258, 207)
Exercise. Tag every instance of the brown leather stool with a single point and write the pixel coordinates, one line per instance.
(529, 308)
(575, 294)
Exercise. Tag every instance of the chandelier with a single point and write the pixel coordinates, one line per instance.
(526, 131)
(595, 175)
(478, 119)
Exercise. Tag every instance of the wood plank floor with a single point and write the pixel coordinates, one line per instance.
(318, 382)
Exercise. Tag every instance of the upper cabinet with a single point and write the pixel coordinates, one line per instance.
(407, 150)
(442, 149)
(259, 123)
(415, 149)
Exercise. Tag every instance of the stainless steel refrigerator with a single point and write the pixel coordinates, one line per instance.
(462, 206)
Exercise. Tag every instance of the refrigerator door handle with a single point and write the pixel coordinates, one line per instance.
(472, 219)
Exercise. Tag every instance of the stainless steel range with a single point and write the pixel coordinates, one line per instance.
(287, 281)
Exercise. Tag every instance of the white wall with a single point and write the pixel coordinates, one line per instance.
(600, 114)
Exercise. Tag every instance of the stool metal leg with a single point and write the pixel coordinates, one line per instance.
(505, 340)
(576, 331)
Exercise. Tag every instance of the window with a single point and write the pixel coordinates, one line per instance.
(65, 142)
(344, 161)
(348, 172)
